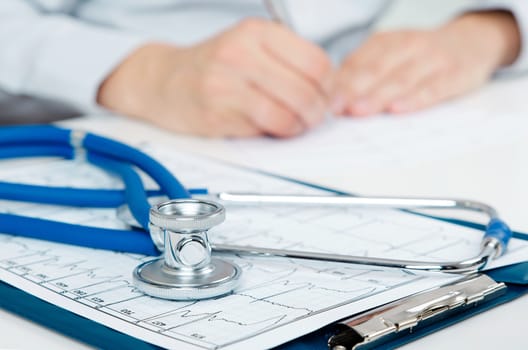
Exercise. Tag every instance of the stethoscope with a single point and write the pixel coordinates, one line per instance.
(179, 227)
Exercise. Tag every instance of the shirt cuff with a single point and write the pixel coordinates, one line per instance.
(74, 61)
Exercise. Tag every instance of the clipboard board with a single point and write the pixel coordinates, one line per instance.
(515, 277)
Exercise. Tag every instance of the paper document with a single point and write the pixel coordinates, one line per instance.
(278, 299)
(378, 143)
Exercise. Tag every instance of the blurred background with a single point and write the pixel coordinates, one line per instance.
(419, 13)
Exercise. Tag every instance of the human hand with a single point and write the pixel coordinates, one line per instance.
(404, 71)
(256, 78)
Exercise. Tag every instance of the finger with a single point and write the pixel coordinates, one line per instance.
(258, 110)
(306, 58)
(229, 102)
(270, 116)
(373, 61)
(210, 107)
(395, 84)
(365, 67)
(296, 93)
(237, 124)
(438, 88)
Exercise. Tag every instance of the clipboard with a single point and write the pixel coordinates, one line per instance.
(515, 283)
(514, 277)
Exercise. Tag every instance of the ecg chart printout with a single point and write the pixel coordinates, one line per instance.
(277, 300)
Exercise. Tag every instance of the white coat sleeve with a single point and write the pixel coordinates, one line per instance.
(519, 9)
(56, 56)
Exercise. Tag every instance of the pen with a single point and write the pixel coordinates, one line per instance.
(279, 12)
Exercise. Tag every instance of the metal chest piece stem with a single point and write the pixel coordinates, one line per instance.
(186, 271)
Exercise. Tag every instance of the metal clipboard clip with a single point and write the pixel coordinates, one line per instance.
(374, 327)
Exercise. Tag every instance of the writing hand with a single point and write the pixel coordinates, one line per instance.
(255, 78)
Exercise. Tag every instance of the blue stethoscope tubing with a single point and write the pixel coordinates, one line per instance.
(121, 159)
(110, 155)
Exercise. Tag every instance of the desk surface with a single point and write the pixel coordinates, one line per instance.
(469, 174)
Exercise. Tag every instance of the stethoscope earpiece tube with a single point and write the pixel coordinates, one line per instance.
(161, 175)
(45, 141)
(134, 189)
(130, 241)
(36, 150)
(34, 134)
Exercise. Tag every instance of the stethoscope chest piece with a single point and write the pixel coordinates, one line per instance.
(186, 271)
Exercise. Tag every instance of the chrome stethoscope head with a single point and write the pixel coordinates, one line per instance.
(186, 271)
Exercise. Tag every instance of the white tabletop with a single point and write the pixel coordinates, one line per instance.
(495, 174)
